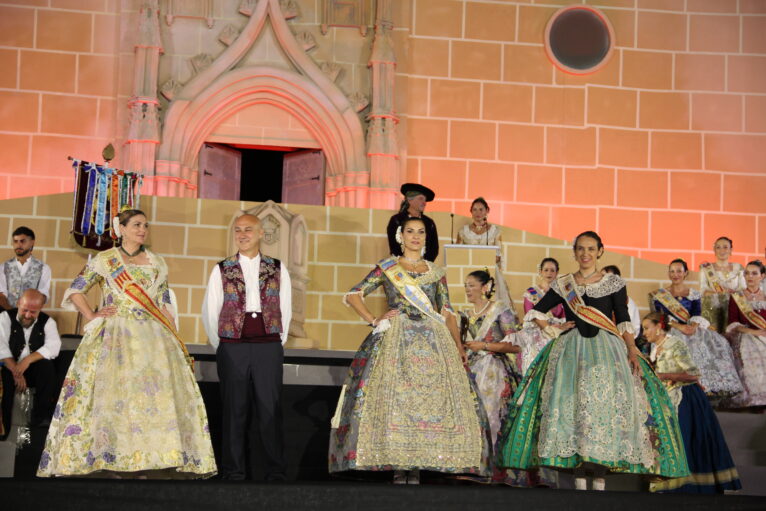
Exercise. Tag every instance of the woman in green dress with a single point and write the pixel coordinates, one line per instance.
(589, 402)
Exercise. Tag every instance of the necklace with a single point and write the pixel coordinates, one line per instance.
(585, 277)
(482, 309)
(412, 261)
(134, 254)
(752, 293)
(659, 344)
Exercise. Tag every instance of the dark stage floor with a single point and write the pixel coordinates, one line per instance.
(109, 495)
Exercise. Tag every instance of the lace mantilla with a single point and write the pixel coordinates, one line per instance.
(608, 285)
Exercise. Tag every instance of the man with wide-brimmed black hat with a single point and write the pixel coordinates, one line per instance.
(415, 198)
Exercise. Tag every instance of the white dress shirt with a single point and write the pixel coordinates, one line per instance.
(635, 316)
(49, 350)
(44, 286)
(211, 306)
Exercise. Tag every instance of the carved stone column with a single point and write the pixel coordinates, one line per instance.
(143, 131)
(382, 147)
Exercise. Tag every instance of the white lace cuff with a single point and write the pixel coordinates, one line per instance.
(345, 297)
(533, 314)
(733, 327)
(700, 321)
(626, 326)
(382, 326)
(66, 302)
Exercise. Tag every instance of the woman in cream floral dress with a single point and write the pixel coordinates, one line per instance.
(129, 406)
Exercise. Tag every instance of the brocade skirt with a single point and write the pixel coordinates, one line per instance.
(410, 404)
(579, 402)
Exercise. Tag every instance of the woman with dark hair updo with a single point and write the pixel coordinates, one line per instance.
(712, 469)
(709, 350)
(589, 402)
(487, 330)
(130, 405)
(408, 402)
(747, 333)
(718, 281)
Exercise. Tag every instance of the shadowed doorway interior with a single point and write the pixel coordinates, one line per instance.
(258, 174)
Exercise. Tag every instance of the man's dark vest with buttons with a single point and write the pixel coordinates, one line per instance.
(36, 339)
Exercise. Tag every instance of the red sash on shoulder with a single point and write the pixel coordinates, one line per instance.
(135, 292)
(747, 310)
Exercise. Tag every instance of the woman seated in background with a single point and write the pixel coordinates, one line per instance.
(480, 232)
(712, 469)
(709, 350)
(718, 281)
(747, 333)
(531, 338)
(487, 330)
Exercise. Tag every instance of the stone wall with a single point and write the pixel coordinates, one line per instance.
(344, 244)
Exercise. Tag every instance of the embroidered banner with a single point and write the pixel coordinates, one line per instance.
(100, 193)
(670, 302)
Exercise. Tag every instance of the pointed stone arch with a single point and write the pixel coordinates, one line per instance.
(221, 90)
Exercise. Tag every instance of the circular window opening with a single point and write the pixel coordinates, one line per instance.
(578, 39)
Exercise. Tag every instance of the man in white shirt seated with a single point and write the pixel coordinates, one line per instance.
(29, 341)
(246, 313)
(23, 271)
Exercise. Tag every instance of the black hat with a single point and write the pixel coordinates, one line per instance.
(412, 189)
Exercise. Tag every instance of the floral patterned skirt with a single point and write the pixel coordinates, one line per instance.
(579, 402)
(129, 404)
(410, 404)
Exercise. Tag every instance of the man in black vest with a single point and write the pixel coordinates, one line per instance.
(413, 205)
(29, 341)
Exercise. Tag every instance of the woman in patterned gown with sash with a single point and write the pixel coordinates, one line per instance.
(531, 338)
(747, 333)
(408, 402)
(130, 405)
(589, 402)
(717, 282)
(709, 350)
(712, 469)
